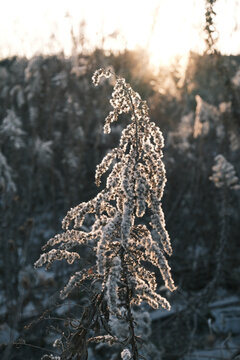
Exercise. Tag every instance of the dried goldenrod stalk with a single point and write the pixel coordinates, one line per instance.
(123, 245)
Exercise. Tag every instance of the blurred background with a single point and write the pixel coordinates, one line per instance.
(183, 57)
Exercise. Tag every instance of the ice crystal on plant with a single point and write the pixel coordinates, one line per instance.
(50, 357)
(100, 73)
(126, 355)
(56, 254)
(103, 339)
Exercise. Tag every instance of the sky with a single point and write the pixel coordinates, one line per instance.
(166, 28)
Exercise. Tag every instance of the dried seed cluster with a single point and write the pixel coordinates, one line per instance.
(135, 184)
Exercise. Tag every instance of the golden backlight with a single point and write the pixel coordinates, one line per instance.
(165, 28)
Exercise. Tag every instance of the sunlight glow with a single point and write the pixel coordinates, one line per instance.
(166, 28)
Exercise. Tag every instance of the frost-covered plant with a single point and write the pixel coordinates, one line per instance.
(11, 130)
(122, 241)
(225, 179)
(207, 117)
(224, 174)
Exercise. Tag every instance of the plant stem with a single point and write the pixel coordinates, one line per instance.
(122, 251)
(128, 307)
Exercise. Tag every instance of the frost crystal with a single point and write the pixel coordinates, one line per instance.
(126, 355)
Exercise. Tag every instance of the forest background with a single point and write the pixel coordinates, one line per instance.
(51, 120)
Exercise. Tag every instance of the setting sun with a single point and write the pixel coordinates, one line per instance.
(165, 28)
